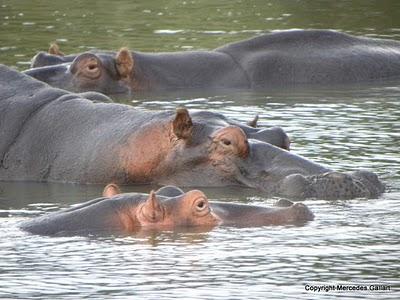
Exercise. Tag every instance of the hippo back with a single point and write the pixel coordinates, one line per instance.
(21, 97)
(315, 57)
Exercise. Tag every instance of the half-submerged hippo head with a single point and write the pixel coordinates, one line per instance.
(167, 209)
(196, 155)
(127, 212)
(170, 207)
(197, 149)
(103, 72)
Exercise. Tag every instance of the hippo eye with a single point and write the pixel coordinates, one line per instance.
(226, 142)
(92, 67)
(92, 70)
(201, 207)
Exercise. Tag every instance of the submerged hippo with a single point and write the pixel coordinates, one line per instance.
(131, 212)
(48, 134)
(278, 59)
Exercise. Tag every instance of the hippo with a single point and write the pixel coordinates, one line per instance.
(167, 209)
(49, 134)
(291, 58)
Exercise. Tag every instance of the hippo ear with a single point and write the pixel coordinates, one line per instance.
(253, 123)
(182, 124)
(111, 190)
(124, 62)
(54, 49)
(152, 209)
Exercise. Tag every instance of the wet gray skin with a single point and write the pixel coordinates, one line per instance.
(48, 134)
(167, 209)
(280, 59)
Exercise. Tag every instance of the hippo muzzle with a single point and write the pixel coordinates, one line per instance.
(281, 173)
(331, 185)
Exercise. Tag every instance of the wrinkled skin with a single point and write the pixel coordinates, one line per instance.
(167, 209)
(280, 59)
(48, 134)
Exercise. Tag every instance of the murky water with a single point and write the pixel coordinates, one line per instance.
(350, 242)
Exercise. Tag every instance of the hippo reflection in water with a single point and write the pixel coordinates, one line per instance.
(48, 134)
(166, 209)
(280, 59)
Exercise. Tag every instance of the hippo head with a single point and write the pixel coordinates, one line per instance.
(158, 211)
(196, 149)
(222, 155)
(103, 72)
(196, 154)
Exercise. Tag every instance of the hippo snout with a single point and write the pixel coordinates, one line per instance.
(370, 180)
(301, 212)
(336, 185)
(295, 186)
(331, 185)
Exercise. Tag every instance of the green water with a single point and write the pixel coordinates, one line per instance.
(29, 26)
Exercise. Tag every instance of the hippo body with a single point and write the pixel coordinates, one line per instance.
(132, 212)
(48, 134)
(279, 59)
